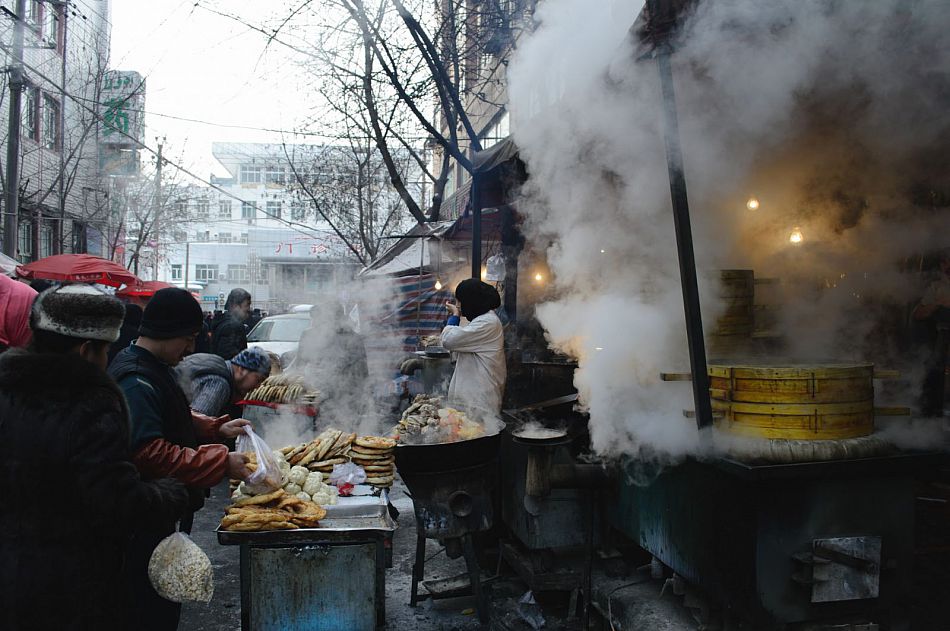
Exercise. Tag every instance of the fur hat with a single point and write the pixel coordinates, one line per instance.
(79, 311)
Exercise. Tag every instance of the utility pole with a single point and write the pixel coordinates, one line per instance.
(157, 211)
(12, 192)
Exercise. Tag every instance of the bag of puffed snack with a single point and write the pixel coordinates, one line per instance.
(268, 476)
(180, 571)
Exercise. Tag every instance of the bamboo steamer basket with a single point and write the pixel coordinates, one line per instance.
(796, 402)
(737, 291)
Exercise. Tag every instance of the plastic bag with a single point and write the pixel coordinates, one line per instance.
(180, 571)
(347, 473)
(267, 477)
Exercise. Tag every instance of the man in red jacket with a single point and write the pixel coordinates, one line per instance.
(167, 440)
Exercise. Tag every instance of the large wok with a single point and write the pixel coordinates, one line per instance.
(437, 457)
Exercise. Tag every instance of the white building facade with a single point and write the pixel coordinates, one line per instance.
(250, 230)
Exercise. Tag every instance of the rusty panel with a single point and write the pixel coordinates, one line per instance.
(313, 588)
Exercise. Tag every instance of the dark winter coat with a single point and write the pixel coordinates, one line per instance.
(71, 497)
(228, 335)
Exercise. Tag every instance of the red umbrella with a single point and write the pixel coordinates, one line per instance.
(78, 268)
(142, 289)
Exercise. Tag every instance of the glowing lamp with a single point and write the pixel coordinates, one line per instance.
(796, 236)
(438, 285)
(752, 204)
(538, 277)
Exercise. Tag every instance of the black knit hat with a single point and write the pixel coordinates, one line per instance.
(171, 312)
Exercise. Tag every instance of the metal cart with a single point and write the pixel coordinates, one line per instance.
(316, 579)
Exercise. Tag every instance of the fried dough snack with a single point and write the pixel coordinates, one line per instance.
(273, 511)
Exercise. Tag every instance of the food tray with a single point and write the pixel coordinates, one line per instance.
(355, 521)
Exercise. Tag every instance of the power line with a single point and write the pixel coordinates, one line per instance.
(291, 224)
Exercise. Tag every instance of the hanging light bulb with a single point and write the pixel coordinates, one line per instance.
(602, 251)
(752, 204)
(538, 277)
(438, 285)
(796, 236)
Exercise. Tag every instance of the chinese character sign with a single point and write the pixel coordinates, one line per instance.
(122, 109)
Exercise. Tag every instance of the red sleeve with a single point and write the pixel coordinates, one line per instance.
(203, 467)
(207, 427)
(18, 315)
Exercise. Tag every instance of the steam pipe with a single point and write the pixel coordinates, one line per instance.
(684, 243)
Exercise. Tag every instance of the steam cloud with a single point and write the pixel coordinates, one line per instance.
(832, 114)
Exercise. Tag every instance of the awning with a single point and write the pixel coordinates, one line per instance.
(409, 252)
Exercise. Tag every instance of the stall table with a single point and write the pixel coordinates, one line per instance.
(317, 579)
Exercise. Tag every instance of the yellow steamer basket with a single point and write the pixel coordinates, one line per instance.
(798, 402)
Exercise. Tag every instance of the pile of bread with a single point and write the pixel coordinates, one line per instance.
(333, 447)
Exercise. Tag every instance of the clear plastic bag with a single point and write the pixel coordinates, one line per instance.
(347, 473)
(268, 476)
(180, 571)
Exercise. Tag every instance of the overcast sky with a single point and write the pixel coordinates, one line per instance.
(202, 66)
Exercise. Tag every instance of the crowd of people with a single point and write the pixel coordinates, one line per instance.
(112, 432)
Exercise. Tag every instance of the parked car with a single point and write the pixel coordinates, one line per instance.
(280, 335)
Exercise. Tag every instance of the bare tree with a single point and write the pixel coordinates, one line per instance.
(402, 74)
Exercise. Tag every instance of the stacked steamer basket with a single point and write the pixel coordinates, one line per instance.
(375, 455)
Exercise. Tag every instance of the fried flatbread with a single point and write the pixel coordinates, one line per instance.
(374, 442)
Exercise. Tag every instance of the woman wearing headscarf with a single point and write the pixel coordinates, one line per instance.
(478, 347)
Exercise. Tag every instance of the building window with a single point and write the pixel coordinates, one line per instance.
(180, 236)
(202, 209)
(248, 211)
(51, 130)
(34, 13)
(176, 272)
(250, 174)
(224, 208)
(203, 236)
(274, 209)
(298, 212)
(46, 240)
(31, 128)
(25, 241)
(274, 174)
(180, 207)
(52, 17)
(243, 237)
(224, 237)
(206, 272)
(237, 273)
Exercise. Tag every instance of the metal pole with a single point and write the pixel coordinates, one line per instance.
(684, 244)
(476, 198)
(12, 191)
(158, 208)
(58, 234)
(187, 257)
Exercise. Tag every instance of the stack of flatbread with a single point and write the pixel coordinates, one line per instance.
(375, 455)
(323, 452)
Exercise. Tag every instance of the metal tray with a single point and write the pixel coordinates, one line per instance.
(346, 523)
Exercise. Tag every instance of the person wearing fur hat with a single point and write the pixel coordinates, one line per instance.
(167, 440)
(71, 495)
(213, 384)
(478, 347)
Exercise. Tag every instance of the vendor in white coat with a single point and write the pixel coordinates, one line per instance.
(478, 347)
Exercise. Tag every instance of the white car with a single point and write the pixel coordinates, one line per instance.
(280, 335)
